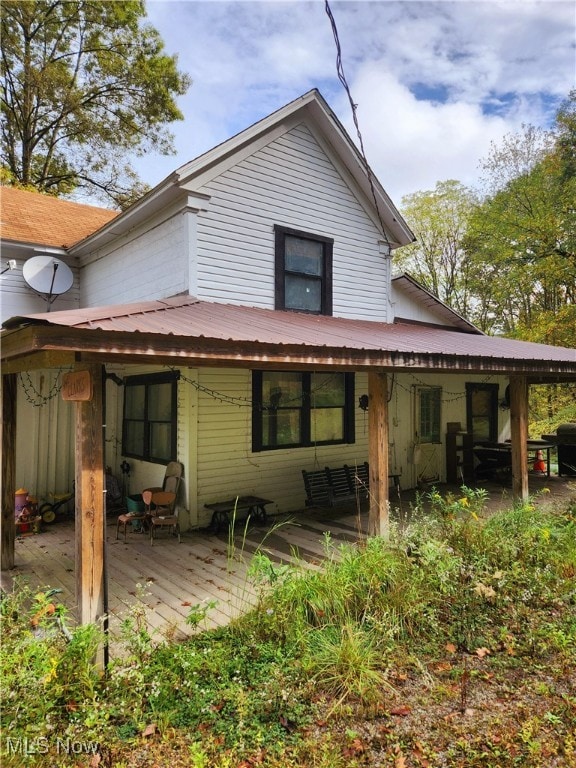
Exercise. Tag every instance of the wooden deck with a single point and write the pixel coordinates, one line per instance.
(167, 579)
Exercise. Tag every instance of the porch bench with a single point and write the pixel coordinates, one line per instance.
(253, 506)
(332, 486)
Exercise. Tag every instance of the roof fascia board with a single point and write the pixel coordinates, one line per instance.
(95, 345)
(94, 248)
(152, 201)
(415, 285)
(361, 192)
(228, 160)
(247, 136)
(344, 148)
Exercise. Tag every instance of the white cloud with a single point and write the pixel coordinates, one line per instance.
(412, 144)
(435, 82)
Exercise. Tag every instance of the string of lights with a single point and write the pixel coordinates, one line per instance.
(36, 397)
(247, 402)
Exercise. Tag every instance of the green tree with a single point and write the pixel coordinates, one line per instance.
(439, 219)
(522, 236)
(85, 83)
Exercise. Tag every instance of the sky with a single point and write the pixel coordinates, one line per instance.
(435, 83)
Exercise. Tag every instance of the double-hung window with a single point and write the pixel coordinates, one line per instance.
(429, 403)
(303, 271)
(293, 409)
(150, 417)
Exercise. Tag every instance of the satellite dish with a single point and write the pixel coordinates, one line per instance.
(47, 276)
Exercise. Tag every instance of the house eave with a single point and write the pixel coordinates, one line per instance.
(60, 345)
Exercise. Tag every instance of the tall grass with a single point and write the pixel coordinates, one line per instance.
(505, 584)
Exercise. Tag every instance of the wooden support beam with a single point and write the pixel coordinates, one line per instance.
(379, 513)
(519, 436)
(8, 532)
(90, 575)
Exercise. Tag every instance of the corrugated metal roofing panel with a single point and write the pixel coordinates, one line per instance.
(188, 318)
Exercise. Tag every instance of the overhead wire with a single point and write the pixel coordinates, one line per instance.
(354, 108)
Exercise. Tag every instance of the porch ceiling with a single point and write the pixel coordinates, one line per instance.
(184, 330)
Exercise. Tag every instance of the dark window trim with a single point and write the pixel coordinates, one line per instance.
(306, 410)
(148, 379)
(279, 249)
(494, 390)
(435, 438)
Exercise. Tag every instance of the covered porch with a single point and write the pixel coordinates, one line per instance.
(165, 581)
(185, 332)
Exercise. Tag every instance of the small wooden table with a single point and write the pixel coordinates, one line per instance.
(254, 506)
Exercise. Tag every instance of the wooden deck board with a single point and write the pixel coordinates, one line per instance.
(203, 568)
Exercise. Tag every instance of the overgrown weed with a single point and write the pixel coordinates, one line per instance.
(452, 600)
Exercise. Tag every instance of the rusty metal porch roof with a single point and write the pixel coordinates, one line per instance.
(189, 322)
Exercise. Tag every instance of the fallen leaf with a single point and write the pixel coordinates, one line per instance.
(481, 652)
(484, 591)
(400, 762)
(354, 748)
(451, 648)
(150, 730)
(96, 760)
(186, 603)
(402, 711)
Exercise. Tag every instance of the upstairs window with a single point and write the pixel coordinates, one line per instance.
(150, 417)
(293, 409)
(303, 272)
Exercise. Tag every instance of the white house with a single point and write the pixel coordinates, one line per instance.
(247, 305)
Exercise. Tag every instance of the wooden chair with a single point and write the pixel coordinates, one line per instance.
(172, 479)
(129, 518)
(161, 512)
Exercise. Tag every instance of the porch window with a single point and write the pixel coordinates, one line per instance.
(293, 409)
(150, 417)
(303, 272)
(429, 412)
(482, 411)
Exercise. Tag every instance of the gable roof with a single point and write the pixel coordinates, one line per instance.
(422, 296)
(37, 219)
(177, 330)
(310, 108)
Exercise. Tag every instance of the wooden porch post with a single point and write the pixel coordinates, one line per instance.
(8, 533)
(90, 574)
(379, 514)
(519, 436)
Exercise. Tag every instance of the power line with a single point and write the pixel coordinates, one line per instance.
(354, 108)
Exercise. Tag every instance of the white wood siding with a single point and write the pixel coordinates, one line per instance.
(227, 466)
(405, 307)
(148, 264)
(293, 183)
(215, 439)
